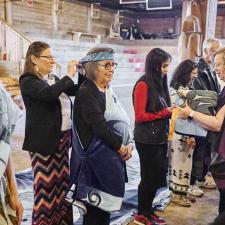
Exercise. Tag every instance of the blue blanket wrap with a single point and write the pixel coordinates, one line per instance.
(98, 174)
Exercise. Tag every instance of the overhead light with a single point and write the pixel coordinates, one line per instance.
(221, 2)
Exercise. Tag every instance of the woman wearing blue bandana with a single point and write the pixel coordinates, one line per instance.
(101, 142)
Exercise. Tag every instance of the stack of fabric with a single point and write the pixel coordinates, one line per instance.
(11, 84)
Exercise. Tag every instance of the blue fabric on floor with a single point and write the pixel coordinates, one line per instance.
(122, 217)
(162, 199)
(24, 180)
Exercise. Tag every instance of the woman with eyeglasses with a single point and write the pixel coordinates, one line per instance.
(181, 146)
(101, 141)
(47, 133)
(152, 111)
(216, 124)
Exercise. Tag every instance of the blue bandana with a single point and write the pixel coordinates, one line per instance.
(99, 56)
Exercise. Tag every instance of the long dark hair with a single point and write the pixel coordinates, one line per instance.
(156, 82)
(182, 74)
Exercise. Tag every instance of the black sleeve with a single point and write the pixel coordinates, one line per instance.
(198, 83)
(72, 91)
(37, 89)
(81, 79)
(93, 114)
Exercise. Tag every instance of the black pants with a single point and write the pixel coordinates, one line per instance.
(152, 163)
(201, 160)
(96, 216)
(220, 219)
(222, 201)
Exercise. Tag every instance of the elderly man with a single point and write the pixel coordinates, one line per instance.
(207, 79)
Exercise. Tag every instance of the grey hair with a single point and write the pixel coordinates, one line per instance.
(219, 51)
(90, 70)
(91, 67)
(210, 40)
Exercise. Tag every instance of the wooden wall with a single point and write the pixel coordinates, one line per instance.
(38, 19)
(32, 19)
(1, 9)
(220, 27)
(158, 25)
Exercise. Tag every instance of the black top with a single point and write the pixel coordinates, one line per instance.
(89, 108)
(152, 132)
(43, 111)
(207, 79)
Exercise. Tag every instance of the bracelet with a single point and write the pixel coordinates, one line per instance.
(191, 114)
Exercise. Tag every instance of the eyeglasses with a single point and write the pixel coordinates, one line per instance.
(108, 66)
(49, 57)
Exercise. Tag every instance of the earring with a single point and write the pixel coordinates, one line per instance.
(36, 68)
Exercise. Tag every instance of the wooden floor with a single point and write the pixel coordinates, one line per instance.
(202, 212)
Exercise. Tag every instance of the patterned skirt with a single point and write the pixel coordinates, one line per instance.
(51, 180)
(180, 165)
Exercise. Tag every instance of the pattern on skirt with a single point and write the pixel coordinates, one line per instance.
(180, 164)
(51, 180)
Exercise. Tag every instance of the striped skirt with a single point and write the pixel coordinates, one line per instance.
(51, 180)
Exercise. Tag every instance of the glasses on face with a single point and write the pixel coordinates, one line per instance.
(48, 57)
(108, 66)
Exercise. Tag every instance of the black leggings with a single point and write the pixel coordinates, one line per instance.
(222, 201)
(152, 163)
(96, 216)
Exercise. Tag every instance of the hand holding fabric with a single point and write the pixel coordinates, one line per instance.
(184, 112)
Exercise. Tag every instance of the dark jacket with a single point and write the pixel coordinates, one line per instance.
(89, 109)
(43, 112)
(152, 132)
(207, 79)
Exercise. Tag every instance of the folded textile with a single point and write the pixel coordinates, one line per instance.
(189, 127)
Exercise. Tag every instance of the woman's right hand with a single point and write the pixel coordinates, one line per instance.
(191, 142)
(72, 67)
(170, 109)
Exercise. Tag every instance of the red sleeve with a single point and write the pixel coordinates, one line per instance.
(140, 101)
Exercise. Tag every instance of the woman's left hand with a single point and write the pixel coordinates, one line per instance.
(16, 205)
(72, 67)
(129, 152)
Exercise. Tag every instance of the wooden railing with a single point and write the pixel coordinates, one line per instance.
(14, 45)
